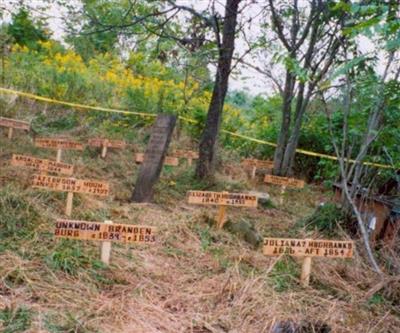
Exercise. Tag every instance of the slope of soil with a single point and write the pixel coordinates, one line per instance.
(196, 278)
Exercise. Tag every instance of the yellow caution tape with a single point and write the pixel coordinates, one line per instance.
(193, 121)
(75, 105)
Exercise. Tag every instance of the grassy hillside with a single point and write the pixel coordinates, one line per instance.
(196, 278)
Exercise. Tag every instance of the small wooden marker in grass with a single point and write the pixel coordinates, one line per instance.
(190, 155)
(14, 124)
(106, 232)
(105, 144)
(41, 165)
(308, 248)
(59, 144)
(70, 185)
(222, 199)
(257, 164)
(169, 160)
(283, 182)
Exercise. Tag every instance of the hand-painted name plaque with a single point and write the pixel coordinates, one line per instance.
(222, 198)
(169, 160)
(58, 144)
(13, 123)
(97, 231)
(38, 164)
(284, 181)
(189, 154)
(308, 247)
(99, 142)
(70, 185)
(259, 164)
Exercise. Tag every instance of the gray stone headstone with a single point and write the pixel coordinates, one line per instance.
(154, 156)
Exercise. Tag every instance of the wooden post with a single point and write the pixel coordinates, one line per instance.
(105, 250)
(68, 207)
(104, 149)
(221, 216)
(253, 172)
(10, 133)
(306, 271)
(189, 161)
(283, 191)
(59, 154)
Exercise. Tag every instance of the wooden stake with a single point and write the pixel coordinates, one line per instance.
(306, 271)
(10, 133)
(189, 161)
(104, 149)
(221, 217)
(105, 250)
(253, 172)
(68, 207)
(59, 154)
(283, 190)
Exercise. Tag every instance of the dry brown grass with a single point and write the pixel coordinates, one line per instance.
(196, 279)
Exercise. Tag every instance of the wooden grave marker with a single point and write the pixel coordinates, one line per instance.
(104, 144)
(255, 164)
(60, 144)
(156, 150)
(41, 165)
(169, 160)
(70, 185)
(222, 199)
(106, 233)
(12, 124)
(308, 248)
(284, 182)
(189, 155)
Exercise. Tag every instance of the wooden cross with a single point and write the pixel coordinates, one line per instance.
(71, 186)
(106, 233)
(12, 124)
(59, 144)
(308, 248)
(283, 182)
(222, 199)
(104, 144)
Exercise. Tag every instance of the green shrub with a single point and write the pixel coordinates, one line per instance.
(284, 274)
(325, 219)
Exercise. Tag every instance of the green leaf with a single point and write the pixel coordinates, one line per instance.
(346, 67)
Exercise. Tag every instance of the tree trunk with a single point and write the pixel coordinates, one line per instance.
(285, 123)
(290, 151)
(209, 138)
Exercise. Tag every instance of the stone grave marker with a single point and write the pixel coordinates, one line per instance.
(156, 150)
